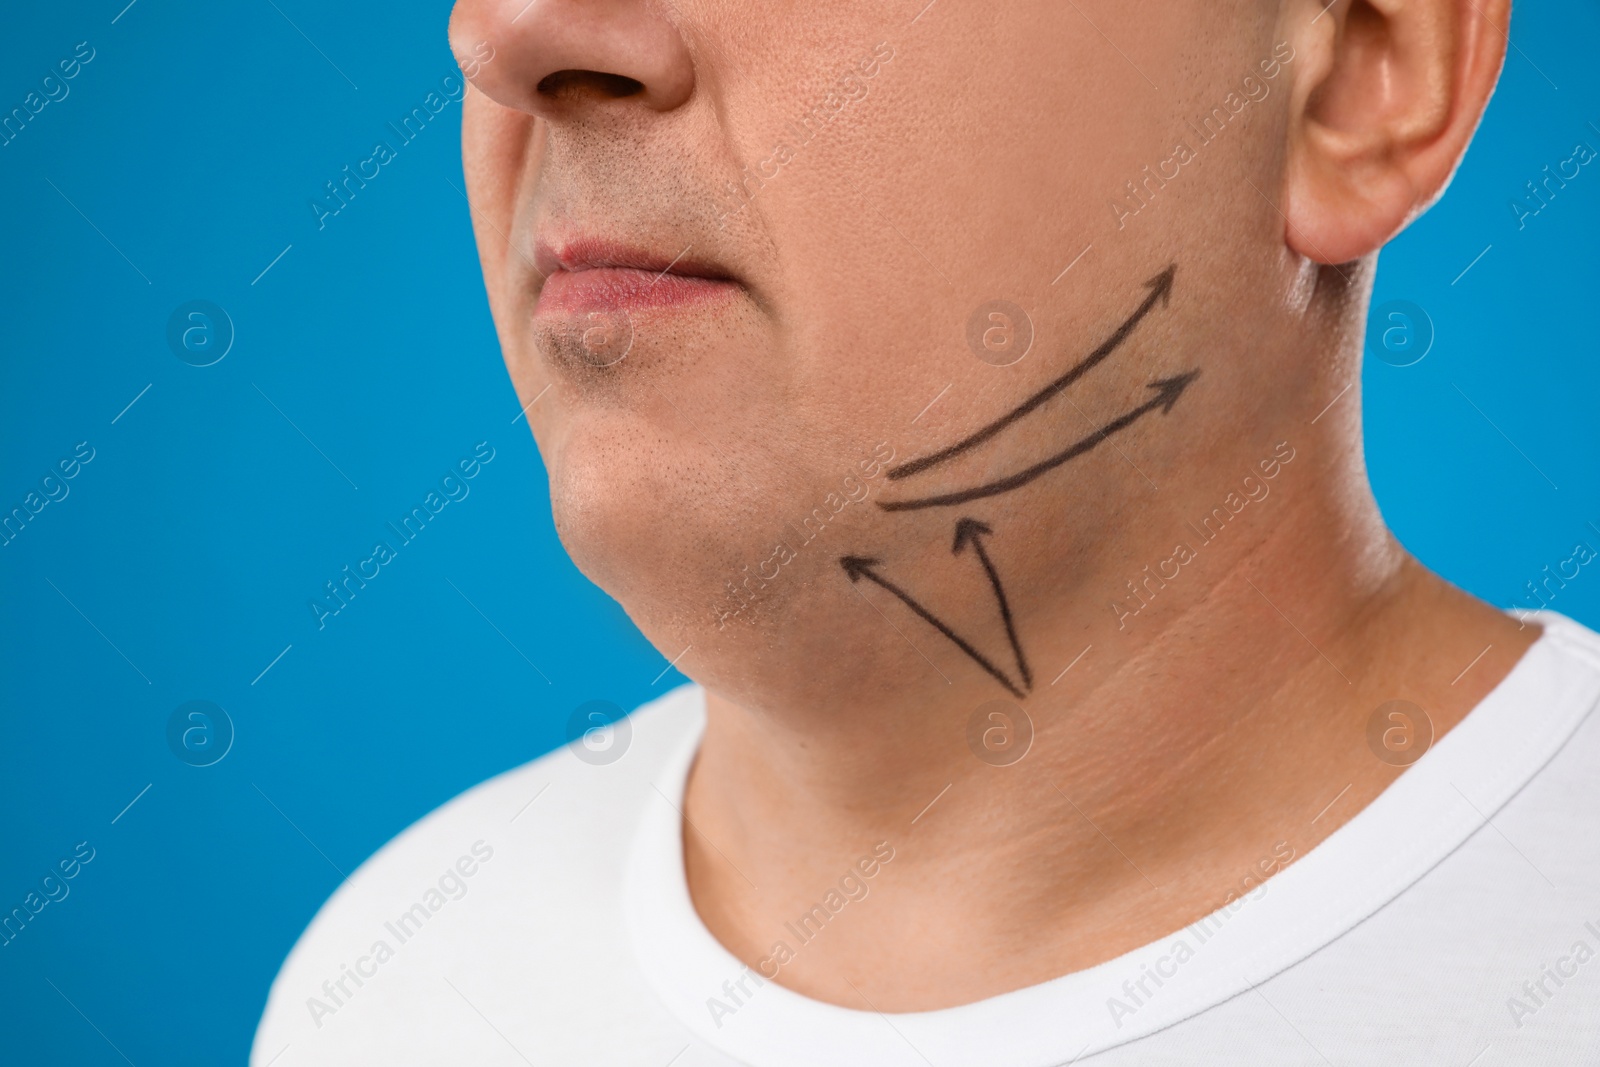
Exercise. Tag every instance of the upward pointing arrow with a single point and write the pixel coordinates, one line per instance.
(1168, 390)
(859, 567)
(1160, 290)
(971, 531)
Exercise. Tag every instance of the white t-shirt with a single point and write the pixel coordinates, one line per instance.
(543, 918)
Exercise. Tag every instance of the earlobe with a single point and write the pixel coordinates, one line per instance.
(1385, 102)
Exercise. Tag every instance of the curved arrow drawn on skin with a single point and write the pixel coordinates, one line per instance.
(1167, 392)
(1160, 289)
(858, 567)
(973, 531)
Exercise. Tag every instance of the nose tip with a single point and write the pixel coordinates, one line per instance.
(560, 58)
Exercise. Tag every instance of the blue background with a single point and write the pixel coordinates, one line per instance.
(181, 562)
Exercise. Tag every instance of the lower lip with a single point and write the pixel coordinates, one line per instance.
(625, 288)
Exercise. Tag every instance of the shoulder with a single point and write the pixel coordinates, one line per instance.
(482, 893)
(1565, 666)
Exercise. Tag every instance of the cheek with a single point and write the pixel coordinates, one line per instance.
(499, 148)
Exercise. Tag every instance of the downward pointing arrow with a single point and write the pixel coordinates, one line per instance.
(859, 567)
(971, 531)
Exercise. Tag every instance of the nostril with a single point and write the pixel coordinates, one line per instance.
(575, 82)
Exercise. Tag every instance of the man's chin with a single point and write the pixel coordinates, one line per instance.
(650, 525)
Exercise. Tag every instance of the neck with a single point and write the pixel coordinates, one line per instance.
(1205, 732)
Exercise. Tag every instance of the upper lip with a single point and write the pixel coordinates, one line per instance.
(585, 252)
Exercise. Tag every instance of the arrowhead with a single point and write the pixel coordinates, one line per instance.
(1161, 284)
(968, 530)
(1172, 388)
(856, 566)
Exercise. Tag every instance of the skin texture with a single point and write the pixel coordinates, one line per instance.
(1222, 726)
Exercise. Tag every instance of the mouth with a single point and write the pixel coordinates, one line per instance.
(588, 274)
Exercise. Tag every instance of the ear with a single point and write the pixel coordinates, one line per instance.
(1385, 99)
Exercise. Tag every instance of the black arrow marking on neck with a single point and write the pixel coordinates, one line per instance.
(1167, 392)
(1160, 289)
(972, 531)
(858, 567)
